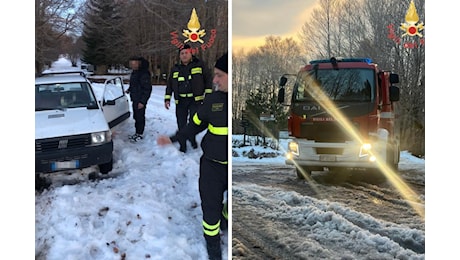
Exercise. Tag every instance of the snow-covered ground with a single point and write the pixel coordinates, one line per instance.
(329, 218)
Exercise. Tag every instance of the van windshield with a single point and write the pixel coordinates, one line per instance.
(354, 85)
(63, 96)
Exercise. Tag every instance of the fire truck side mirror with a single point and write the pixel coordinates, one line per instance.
(394, 93)
(394, 78)
(283, 81)
(281, 95)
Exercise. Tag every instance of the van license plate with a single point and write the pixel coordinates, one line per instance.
(327, 158)
(64, 165)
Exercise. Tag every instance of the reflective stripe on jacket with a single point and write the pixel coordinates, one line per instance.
(191, 80)
(213, 116)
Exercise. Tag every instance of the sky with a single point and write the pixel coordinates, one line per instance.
(254, 20)
(148, 207)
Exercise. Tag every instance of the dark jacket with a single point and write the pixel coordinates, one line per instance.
(140, 84)
(191, 80)
(213, 115)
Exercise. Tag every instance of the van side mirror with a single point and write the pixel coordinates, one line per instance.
(281, 95)
(394, 93)
(109, 102)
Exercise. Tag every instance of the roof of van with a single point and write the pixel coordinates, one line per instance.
(61, 77)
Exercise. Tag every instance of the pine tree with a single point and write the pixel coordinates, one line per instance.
(262, 102)
(102, 34)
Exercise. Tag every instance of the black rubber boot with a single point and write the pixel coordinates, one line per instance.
(183, 147)
(194, 143)
(213, 247)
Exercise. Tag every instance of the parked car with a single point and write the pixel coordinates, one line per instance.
(73, 127)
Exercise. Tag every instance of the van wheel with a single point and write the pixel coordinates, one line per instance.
(41, 183)
(303, 173)
(106, 167)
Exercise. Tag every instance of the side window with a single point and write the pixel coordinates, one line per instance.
(300, 89)
(113, 89)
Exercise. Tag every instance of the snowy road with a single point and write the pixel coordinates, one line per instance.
(338, 216)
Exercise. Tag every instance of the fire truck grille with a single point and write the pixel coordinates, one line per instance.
(320, 150)
(324, 132)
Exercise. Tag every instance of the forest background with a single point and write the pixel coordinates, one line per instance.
(105, 33)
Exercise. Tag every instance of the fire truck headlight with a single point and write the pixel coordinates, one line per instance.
(293, 147)
(365, 149)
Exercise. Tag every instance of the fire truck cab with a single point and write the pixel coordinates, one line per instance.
(342, 114)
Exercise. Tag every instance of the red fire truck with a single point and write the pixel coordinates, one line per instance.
(342, 115)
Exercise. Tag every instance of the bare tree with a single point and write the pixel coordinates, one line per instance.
(239, 79)
(353, 27)
(150, 25)
(258, 73)
(317, 34)
(335, 28)
(54, 20)
(141, 28)
(404, 55)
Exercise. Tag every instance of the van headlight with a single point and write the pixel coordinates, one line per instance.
(101, 137)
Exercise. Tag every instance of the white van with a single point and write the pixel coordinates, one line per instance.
(73, 127)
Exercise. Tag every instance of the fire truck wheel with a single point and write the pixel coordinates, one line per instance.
(391, 158)
(303, 173)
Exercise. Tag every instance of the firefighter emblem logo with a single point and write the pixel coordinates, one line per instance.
(411, 27)
(194, 33)
(198, 37)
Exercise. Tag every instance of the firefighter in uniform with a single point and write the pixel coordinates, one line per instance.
(188, 81)
(213, 182)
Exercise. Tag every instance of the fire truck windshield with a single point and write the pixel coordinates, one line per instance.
(348, 85)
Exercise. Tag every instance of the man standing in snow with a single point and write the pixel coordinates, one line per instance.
(189, 81)
(213, 182)
(140, 89)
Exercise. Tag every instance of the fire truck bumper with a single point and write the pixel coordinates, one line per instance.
(344, 164)
(346, 155)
